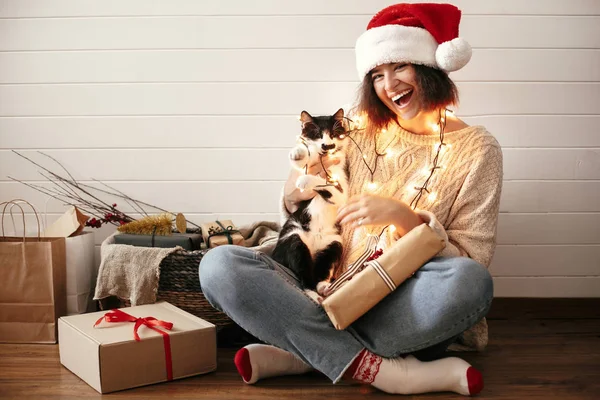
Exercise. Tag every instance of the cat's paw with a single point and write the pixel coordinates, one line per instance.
(314, 295)
(323, 288)
(299, 156)
(306, 182)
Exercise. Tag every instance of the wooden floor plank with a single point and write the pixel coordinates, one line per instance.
(552, 353)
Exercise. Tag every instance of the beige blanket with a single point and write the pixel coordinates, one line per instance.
(130, 272)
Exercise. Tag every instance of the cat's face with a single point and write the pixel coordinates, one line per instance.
(324, 133)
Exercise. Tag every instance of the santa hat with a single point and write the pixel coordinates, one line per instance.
(425, 34)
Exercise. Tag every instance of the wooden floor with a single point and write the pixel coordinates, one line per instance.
(539, 349)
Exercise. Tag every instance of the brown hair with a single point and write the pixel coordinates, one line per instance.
(436, 88)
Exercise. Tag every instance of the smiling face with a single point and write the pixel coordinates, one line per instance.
(396, 86)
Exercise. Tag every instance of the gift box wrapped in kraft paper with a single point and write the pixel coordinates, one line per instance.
(218, 233)
(381, 276)
(136, 346)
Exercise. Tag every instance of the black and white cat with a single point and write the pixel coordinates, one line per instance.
(310, 241)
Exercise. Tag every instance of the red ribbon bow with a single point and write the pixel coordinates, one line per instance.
(150, 322)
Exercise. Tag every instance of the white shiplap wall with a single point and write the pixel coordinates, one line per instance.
(191, 105)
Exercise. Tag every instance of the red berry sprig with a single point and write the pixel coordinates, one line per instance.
(112, 217)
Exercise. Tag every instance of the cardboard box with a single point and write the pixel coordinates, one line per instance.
(367, 288)
(108, 358)
(214, 235)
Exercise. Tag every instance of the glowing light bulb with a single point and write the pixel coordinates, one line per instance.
(432, 196)
(384, 131)
(425, 171)
(371, 186)
(335, 178)
(389, 153)
(342, 136)
(365, 156)
(392, 228)
(412, 188)
(435, 127)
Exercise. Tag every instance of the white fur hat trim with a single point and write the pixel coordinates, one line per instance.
(392, 44)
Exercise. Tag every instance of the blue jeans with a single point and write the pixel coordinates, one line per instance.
(444, 298)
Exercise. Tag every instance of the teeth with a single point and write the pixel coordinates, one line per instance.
(396, 97)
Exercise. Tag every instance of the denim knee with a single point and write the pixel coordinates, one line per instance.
(219, 270)
(474, 281)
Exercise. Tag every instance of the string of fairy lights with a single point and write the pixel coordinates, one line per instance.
(419, 191)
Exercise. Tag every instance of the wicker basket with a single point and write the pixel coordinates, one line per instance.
(179, 285)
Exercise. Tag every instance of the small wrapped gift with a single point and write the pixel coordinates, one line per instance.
(136, 346)
(367, 282)
(221, 232)
(187, 241)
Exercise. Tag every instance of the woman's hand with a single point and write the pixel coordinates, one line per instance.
(292, 195)
(368, 209)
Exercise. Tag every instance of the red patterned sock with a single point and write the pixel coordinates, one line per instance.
(364, 368)
(411, 376)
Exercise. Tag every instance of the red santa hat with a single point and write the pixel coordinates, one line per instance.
(425, 34)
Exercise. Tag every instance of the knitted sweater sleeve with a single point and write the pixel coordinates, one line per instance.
(470, 230)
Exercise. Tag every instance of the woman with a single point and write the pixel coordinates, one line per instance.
(431, 168)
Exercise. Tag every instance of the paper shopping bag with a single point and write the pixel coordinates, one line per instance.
(82, 272)
(81, 266)
(32, 285)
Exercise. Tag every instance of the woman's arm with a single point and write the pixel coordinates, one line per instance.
(473, 218)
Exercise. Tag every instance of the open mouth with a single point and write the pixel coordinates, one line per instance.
(402, 99)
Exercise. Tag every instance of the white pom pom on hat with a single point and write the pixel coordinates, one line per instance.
(453, 55)
(423, 33)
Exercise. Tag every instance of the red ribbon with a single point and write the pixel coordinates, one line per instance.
(150, 322)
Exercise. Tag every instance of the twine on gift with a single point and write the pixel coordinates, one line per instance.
(358, 265)
(150, 322)
(154, 233)
(366, 259)
(387, 279)
(227, 231)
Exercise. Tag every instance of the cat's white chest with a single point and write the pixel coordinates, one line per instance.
(322, 224)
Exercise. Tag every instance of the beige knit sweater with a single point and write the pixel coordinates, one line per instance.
(465, 210)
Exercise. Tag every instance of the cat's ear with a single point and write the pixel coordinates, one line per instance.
(305, 117)
(339, 114)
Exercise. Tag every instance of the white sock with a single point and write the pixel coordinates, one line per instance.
(259, 361)
(411, 376)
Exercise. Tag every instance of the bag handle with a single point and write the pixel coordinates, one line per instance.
(16, 202)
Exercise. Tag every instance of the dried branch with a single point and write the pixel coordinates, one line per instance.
(71, 192)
